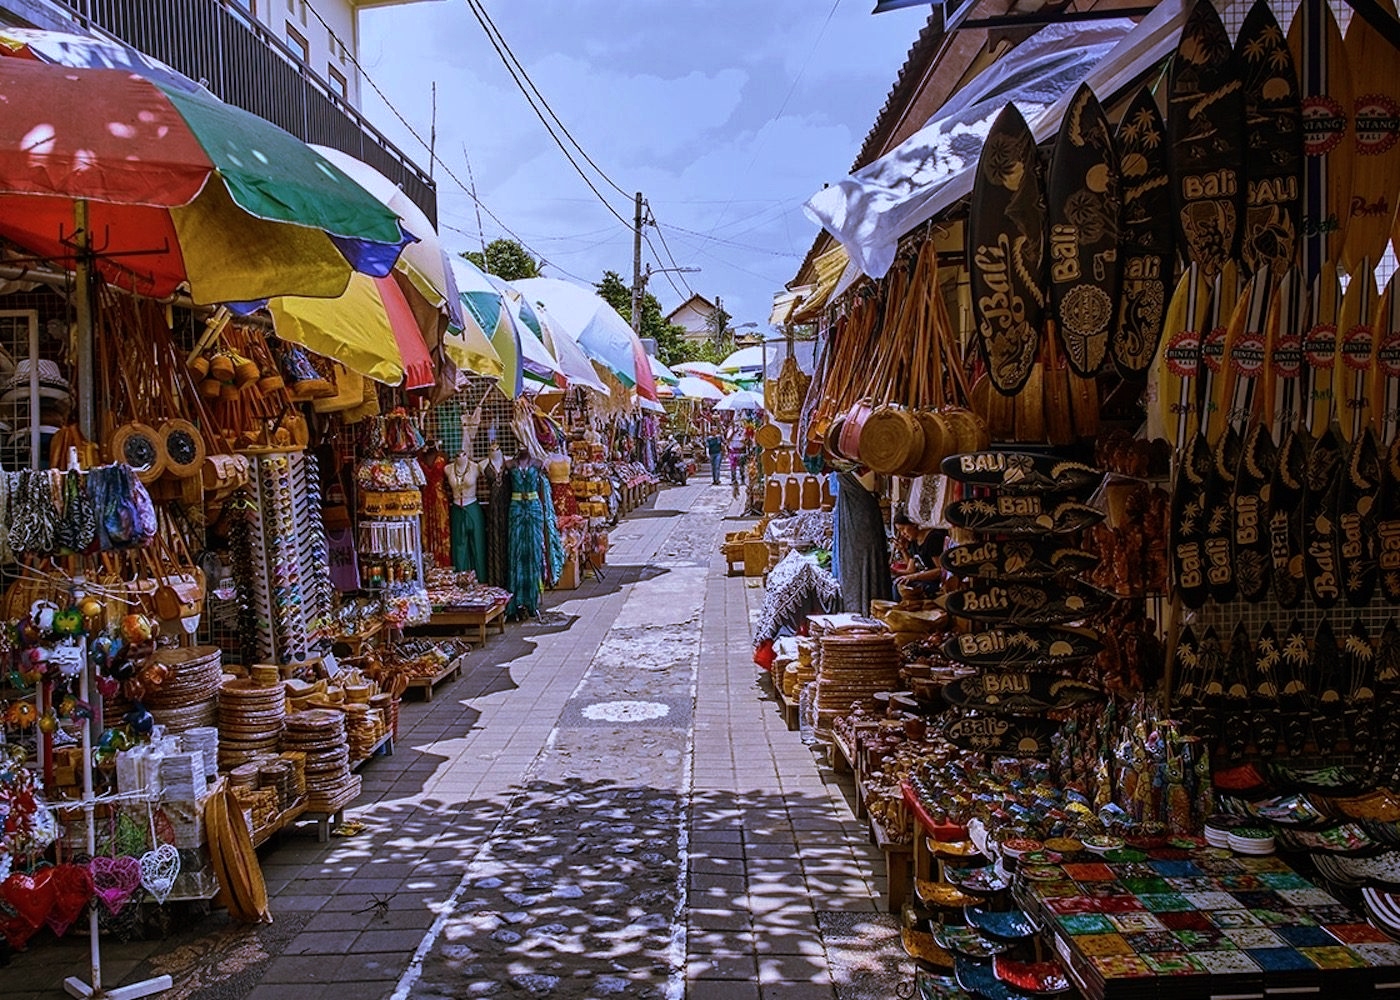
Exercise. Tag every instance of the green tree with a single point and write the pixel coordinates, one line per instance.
(506, 259)
(670, 342)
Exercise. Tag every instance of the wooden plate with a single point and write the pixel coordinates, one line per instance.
(1145, 236)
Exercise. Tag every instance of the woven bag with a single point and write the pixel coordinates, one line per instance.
(789, 391)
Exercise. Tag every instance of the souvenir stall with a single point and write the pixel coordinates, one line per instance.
(1130, 727)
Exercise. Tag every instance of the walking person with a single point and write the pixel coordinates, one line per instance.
(736, 455)
(714, 447)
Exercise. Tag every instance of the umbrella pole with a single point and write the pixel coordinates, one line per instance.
(82, 304)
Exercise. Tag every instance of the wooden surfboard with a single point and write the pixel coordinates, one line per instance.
(1020, 559)
(1188, 523)
(1224, 295)
(1375, 172)
(1320, 350)
(1385, 368)
(1388, 523)
(1081, 198)
(1178, 361)
(1359, 701)
(1205, 124)
(1006, 251)
(1274, 142)
(1239, 666)
(1264, 690)
(1146, 248)
(1328, 144)
(1296, 670)
(1328, 725)
(1016, 693)
(1356, 320)
(1218, 498)
(1025, 603)
(1004, 736)
(1320, 500)
(1021, 514)
(1284, 328)
(1021, 472)
(1357, 519)
(1286, 518)
(1012, 647)
(1246, 356)
(1253, 487)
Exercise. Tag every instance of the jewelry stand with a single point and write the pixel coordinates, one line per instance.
(73, 985)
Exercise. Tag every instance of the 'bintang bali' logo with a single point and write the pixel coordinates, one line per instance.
(1183, 354)
(1324, 124)
(1377, 124)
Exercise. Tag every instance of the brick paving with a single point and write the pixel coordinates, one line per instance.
(604, 805)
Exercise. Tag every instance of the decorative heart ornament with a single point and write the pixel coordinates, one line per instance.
(30, 896)
(159, 869)
(114, 880)
(72, 892)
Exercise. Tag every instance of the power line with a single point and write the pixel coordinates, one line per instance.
(731, 243)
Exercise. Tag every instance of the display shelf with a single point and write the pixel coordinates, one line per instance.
(429, 684)
(335, 814)
(899, 858)
(843, 760)
(284, 819)
(479, 619)
(383, 747)
(787, 707)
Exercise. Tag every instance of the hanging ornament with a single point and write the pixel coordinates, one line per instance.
(114, 881)
(159, 869)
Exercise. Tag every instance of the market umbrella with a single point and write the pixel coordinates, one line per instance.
(88, 52)
(743, 359)
(597, 327)
(743, 399)
(694, 387)
(573, 363)
(660, 372)
(370, 328)
(178, 187)
(695, 368)
(484, 304)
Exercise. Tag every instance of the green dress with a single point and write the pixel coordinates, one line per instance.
(536, 551)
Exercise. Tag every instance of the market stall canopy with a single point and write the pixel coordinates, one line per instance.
(88, 52)
(535, 359)
(744, 359)
(577, 369)
(743, 399)
(597, 328)
(660, 372)
(870, 210)
(694, 387)
(370, 328)
(484, 305)
(696, 368)
(180, 188)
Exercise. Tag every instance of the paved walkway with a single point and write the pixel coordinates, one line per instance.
(604, 805)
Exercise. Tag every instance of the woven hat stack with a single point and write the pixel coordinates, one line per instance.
(189, 697)
(250, 721)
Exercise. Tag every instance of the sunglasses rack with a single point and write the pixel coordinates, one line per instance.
(292, 594)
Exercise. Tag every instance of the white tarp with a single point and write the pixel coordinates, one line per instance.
(870, 210)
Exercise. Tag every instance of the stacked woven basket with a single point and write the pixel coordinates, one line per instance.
(250, 721)
(189, 697)
(855, 664)
(320, 734)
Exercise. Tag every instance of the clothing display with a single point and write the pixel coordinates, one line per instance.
(863, 561)
(535, 552)
(437, 535)
(468, 539)
(497, 489)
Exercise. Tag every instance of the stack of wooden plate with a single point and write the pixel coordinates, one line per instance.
(203, 740)
(250, 721)
(320, 734)
(364, 726)
(854, 666)
(188, 698)
(278, 774)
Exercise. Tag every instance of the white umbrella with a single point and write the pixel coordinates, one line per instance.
(695, 368)
(572, 361)
(745, 357)
(697, 388)
(741, 400)
(660, 372)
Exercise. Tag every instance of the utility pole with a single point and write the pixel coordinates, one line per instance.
(637, 267)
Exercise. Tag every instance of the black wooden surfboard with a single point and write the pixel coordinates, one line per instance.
(1211, 658)
(1320, 498)
(1019, 472)
(1006, 251)
(1006, 736)
(1359, 482)
(1328, 139)
(1359, 700)
(1013, 647)
(1239, 665)
(1021, 514)
(1188, 523)
(1287, 520)
(1274, 143)
(1388, 524)
(1146, 248)
(1295, 696)
(1016, 693)
(1016, 559)
(1081, 205)
(1186, 672)
(1205, 123)
(1218, 506)
(1329, 726)
(1253, 483)
(1388, 656)
(1264, 690)
(1025, 603)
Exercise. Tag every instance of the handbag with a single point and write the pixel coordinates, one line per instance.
(180, 589)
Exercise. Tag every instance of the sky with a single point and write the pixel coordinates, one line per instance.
(726, 114)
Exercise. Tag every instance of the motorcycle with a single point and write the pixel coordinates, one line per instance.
(671, 464)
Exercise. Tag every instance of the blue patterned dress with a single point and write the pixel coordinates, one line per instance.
(536, 552)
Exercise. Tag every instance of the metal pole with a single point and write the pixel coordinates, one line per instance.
(637, 266)
(82, 304)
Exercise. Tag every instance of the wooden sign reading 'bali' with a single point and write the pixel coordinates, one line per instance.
(1020, 472)
(1016, 559)
(1025, 603)
(1001, 648)
(1021, 515)
(1081, 195)
(1010, 736)
(1145, 236)
(1205, 120)
(1006, 251)
(1015, 693)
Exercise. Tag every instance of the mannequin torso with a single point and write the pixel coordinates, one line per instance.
(462, 474)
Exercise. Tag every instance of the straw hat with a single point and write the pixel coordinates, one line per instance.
(52, 384)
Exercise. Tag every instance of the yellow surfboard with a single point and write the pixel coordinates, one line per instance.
(1375, 170)
(1283, 377)
(1355, 333)
(1385, 367)
(1320, 350)
(1179, 358)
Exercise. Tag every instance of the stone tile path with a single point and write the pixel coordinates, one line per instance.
(604, 805)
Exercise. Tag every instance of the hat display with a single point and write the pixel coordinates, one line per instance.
(52, 384)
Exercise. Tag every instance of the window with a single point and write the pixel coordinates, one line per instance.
(297, 7)
(296, 41)
(338, 84)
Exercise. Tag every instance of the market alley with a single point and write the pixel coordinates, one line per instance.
(604, 804)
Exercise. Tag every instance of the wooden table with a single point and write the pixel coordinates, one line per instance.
(479, 619)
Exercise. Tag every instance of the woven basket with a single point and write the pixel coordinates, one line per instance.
(788, 392)
(891, 441)
(938, 438)
(768, 436)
